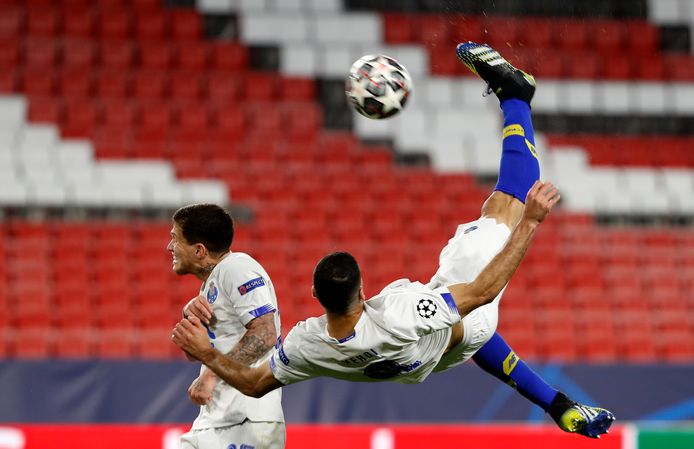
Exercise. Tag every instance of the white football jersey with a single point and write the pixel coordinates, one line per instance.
(239, 290)
(400, 337)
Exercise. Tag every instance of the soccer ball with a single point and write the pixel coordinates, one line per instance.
(378, 86)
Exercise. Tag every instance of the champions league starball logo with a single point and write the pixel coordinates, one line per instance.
(426, 308)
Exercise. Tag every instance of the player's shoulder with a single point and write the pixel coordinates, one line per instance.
(237, 264)
(311, 326)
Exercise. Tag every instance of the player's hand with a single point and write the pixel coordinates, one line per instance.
(200, 308)
(541, 198)
(191, 336)
(200, 391)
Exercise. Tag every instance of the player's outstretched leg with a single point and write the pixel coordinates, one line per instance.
(518, 171)
(519, 167)
(497, 358)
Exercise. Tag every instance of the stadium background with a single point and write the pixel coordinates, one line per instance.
(114, 113)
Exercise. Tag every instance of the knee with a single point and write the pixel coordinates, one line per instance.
(504, 208)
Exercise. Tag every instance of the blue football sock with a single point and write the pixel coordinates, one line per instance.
(519, 166)
(498, 359)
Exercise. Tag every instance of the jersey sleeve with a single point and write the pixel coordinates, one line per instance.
(416, 313)
(288, 363)
(247, 286)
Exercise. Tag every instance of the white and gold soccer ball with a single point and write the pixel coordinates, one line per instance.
(378, 86)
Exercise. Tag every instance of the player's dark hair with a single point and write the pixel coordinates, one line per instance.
(337, 280)
(208, 224)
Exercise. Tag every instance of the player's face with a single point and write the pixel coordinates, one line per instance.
(183, 253)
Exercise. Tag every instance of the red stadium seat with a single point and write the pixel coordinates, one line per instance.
(150, 84)
(74, 343)
(505, 31)
(81, 117)
(433, 30)
(572, 34)
(583, 65)
(11, 22)
(156, 55)
(78, 53)
(115, 343)
(650, 67)
(79, 23)
(193, 55)
(112, 143)
(642, 37)
(9, 51)
(607, 36)
(151, 27)
(43, 21)
(117, 54)
(119, 114)
(186, 86)
(398, 28)
(156, 119)
(45, 110)
(297, 89)
(39, 82)
(186, 25)
(680, 67)
(32, 343)
(114, 24)
(9, 81)
(76, 83)
(155, 343)
(112, 84)
(229, 57)
(468, 28)
(541, 35)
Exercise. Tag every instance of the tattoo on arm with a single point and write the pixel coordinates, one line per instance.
(259, 338)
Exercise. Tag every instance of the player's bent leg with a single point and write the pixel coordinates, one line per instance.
(497, 358)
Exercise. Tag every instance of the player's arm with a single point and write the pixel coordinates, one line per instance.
(191, 336)
(489, 283)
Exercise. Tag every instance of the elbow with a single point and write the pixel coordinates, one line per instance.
(254, 392)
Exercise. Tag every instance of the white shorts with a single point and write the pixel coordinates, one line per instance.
(248, 434)
(472, 247)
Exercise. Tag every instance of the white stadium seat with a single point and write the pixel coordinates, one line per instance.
(355, 28)
(299, 60)
(270, 28)
(651, 98)
(666, 11)
(13, 110)
(204, 191)
(47, 194)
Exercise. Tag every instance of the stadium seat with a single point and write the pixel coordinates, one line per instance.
(398, 28)
(156, 55)
(151, 26)
(79, 23)
(43, 22)
(114, 24)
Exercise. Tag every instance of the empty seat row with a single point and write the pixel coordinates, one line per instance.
(567, 34)
(124, 22)
(165, 116)
(80, 54)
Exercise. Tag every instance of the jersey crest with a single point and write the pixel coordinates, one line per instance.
(212, 293)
